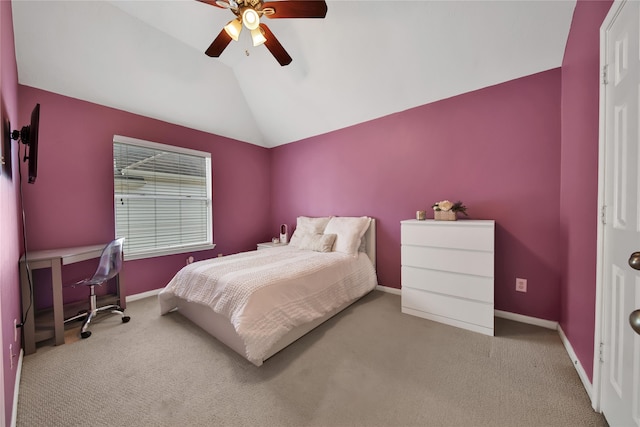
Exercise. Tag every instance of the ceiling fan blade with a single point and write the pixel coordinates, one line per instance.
(219, 44)
(223, 4)
(275, 47)
(296, 9)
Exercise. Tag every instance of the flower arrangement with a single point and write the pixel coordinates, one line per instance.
(446, 206)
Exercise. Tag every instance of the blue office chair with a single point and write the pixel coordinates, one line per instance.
(108, 267)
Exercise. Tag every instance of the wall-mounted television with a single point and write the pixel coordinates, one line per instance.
(28, 135)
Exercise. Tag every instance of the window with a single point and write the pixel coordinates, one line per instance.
(162, 198)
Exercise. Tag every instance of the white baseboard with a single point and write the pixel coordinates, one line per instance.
(142, 295)
(16, 391)
(576, 363)
(549, 324)
(389, 290)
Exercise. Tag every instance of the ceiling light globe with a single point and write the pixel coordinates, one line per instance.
(257, 37)
(250, 19)
(233, 28)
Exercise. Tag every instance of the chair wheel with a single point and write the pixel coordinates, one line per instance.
(125, 319)
(85, 334)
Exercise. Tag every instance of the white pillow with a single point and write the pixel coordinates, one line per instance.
(317, 242)
(313, 225)
(348, 231)
(307, 225)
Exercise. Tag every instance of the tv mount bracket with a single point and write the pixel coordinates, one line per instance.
(22, 135)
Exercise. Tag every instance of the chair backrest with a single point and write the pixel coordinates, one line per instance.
(110, 260)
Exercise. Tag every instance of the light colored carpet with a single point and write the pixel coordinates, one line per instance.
(369, 366)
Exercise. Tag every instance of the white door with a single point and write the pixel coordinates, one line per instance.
(620, 370)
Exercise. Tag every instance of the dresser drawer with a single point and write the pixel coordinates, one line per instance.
(477, 288)
(461, 310)
(445, 234)
(454, 260)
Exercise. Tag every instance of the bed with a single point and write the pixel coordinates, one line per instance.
(259, 302)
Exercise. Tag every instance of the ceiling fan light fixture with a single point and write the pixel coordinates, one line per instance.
(233, 28)
(250, 18)
(248, 13)
(257, 37)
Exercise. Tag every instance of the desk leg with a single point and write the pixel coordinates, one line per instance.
(29, 327)
(120, 290)
(58, 309)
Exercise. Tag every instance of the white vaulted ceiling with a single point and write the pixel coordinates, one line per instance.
(365, 60)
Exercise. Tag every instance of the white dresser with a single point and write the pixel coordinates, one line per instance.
(448, 272)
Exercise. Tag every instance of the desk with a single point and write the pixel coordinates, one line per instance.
(53, 259)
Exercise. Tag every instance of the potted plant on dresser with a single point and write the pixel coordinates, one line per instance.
(447, 211)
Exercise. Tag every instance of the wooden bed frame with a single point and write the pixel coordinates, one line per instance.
(221, 328)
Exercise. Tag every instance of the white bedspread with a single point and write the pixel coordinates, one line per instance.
(267, 293)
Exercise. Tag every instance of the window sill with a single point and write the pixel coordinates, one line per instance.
(169, 251)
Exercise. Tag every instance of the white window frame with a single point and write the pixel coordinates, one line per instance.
(177, 249)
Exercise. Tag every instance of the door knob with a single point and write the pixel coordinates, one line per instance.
(634, 261)
(634, 321)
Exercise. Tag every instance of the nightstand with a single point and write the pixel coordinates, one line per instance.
(267, 245)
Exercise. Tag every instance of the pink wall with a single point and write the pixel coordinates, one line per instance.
(71, 203)
(496, 149)
(9, 219)
(579, 178)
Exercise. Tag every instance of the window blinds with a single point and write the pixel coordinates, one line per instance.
(162, 198)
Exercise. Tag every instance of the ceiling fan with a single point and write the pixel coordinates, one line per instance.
(248, 13)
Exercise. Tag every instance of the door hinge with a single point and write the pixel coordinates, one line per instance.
(604, 74)
(603, 214)
(601, 353)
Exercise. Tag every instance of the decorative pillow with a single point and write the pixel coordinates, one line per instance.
(349, 231)
(308, 225)
(317, 242)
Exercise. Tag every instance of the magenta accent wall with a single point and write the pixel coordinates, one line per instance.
(579, 177)
(71, 203)
(496, 149)
(9, 221)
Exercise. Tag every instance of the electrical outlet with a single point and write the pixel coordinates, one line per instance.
(521, 285)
